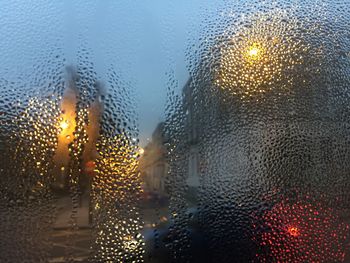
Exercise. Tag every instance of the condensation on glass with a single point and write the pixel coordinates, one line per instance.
(124, 139)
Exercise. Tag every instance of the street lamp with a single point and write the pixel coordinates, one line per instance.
(258, 58)
(64, 125)
(253, 52)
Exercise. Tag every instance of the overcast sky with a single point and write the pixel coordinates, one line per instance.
(141, 39)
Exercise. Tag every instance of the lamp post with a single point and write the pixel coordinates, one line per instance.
(66, 128)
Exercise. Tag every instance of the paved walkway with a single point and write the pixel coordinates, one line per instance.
(64, 213)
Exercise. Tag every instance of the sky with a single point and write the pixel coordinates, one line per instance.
(167, 27)
(143, 40)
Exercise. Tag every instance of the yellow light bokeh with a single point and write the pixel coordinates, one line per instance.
(141, 151)
(64, 125)
(253, 52)
(259, 58)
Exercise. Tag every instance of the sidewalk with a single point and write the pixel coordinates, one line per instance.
(66, 242)
(64, 213)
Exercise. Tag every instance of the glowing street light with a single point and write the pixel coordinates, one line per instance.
(261, 57)
(64, 125)
(254, 52)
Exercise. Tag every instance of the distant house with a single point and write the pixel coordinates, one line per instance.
(279, 140)
(153, 165)
(192, 135)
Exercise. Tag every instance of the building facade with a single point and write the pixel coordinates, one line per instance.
(153, 164)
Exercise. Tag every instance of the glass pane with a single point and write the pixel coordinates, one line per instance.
(187, 131)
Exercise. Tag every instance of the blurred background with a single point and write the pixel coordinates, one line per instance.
(187, 131)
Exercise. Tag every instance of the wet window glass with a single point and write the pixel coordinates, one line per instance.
(175, 131)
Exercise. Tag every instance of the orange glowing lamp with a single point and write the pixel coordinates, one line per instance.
(64, 125)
